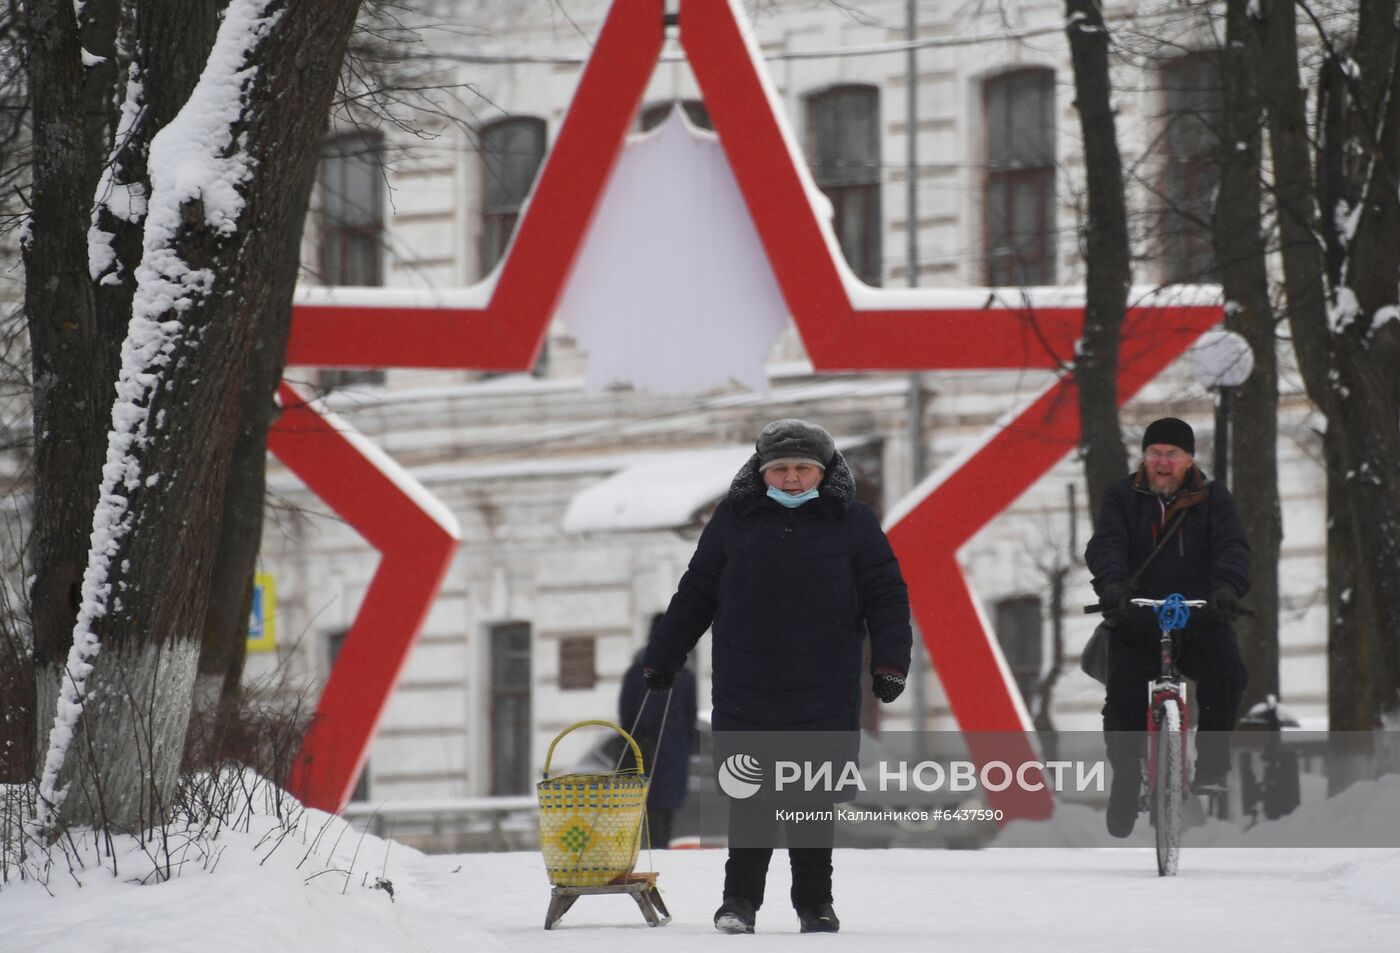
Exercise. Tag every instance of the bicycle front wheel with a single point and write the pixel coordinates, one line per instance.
(1167, 793)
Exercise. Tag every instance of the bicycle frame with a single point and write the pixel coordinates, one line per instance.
(1169, 685)
(1166, 703)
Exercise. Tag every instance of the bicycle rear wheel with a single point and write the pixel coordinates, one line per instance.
(1167, 793)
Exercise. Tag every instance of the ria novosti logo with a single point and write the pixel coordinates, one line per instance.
(740, 776)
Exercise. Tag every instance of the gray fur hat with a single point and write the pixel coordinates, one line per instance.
(793, 440)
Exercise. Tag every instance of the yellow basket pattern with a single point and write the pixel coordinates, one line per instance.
(590, 824)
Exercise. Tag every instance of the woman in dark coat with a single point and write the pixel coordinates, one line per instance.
(791, 572)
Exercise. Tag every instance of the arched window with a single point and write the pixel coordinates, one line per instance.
(511, 153)
(843, 125)
(1192, 111)
(1019, 186)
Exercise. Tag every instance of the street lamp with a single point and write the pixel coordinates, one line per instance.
(1222, 361)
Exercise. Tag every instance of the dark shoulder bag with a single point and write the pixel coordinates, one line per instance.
(1094, 660)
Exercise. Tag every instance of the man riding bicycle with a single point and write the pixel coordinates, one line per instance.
(1205, 556)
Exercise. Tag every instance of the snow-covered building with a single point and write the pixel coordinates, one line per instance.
(579, 505)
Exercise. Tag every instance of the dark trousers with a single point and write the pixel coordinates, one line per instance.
(658, 827)
(1210, 655)
(746, 871)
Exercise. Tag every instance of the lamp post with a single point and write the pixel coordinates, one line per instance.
(1222, 361)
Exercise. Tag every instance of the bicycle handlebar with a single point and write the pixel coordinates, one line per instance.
(1097, 607)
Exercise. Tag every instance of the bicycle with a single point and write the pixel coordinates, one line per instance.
(1165, 771)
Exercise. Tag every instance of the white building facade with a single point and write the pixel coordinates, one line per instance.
(549, 598)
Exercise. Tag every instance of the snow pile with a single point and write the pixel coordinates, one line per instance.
(1364, 815)
(280, 877)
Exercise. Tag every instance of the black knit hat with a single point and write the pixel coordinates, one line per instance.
(1170, 431)
(794, 440)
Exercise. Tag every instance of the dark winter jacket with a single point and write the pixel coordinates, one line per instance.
(1207, 550)
(791, 594)
(668, 762)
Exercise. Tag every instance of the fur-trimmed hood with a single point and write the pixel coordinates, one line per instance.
(837, 489)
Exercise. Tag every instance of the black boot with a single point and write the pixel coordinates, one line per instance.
(818, 919)
(1123, 803)
(735, 915)
(1208, 781)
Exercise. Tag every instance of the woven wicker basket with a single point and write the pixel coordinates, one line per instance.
(590, 824)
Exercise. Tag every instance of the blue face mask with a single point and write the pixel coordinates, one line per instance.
(790, 501)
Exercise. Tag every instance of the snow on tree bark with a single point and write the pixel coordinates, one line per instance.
(224, 177)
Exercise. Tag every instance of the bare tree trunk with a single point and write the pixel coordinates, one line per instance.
(1351, 625)
(17, 713)
(1237, 233)
(1045, 698)
(1359, 171)
(71, 396)
(1349, 358)
(176, 424)
(225, 637)
(1106, 254)
(1371, 412)
(98, 26)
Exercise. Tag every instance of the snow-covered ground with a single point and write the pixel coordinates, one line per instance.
(298, 896)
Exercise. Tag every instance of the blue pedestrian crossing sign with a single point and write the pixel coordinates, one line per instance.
(262, 620)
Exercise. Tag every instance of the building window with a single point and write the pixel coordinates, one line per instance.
(352, 227)
(334, 643)
(844, 142)
(655, 114)
(1019, 195)
(1192, 111)
(1018, 622)
(510, 708)
(867, 465)
(511, 153)
(352, 210)
(578, 662)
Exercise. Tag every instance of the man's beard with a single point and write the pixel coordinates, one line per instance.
(1166, 492)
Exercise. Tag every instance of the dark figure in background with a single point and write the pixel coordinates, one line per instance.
(792, 570)
(667, 756)
(1207, 558)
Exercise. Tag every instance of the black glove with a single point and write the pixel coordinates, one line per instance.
(1224, 599)
(888, 686)
(1114, 598)
(658, 681)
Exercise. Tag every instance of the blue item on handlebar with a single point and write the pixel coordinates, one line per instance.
(1173, 613)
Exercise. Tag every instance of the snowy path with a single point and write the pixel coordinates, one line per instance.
(1084, 900)
(993, 900)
